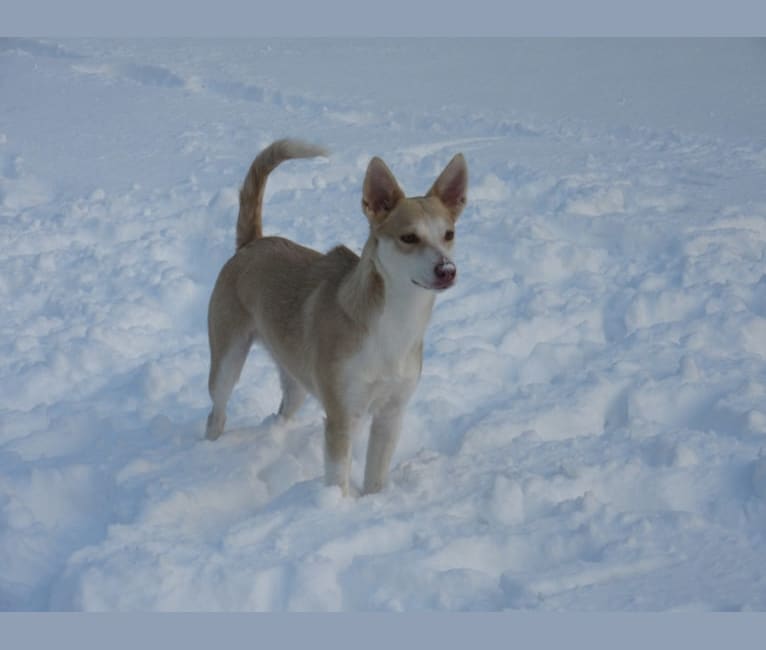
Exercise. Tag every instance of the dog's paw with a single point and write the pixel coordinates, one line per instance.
(334, 497)
(214, 427)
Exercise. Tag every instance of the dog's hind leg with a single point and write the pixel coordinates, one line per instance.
(228, 351)
(225, 368)
(293, 395)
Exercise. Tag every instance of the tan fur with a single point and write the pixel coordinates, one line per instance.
(345, 328)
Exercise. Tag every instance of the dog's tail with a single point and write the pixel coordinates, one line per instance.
(249, 223)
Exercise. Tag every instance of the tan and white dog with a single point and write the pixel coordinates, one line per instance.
(347, 329)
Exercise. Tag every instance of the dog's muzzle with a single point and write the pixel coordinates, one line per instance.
(445, 272)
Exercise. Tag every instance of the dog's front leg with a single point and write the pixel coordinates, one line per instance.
(338, 433)
(384, 434)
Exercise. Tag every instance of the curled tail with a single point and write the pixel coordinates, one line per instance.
(249, 223)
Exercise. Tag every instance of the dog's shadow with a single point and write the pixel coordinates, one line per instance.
(285, 452)
(272, 426)
(282, 452)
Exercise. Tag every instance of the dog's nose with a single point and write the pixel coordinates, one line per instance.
(445, 271)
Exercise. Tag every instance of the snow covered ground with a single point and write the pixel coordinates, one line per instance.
(590, 429)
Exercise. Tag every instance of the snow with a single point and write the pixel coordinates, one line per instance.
(590, 429)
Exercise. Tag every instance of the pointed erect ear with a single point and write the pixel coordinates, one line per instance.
(380, 192)
(451, 186)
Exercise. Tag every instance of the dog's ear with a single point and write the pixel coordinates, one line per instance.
(451, 186)
(380, 192)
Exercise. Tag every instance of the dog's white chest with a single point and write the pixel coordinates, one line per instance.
(384, 359)
(374, 377)
(388, 363)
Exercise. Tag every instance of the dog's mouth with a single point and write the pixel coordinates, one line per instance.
(439, 285)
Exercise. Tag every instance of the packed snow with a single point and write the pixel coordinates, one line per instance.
(589, 432)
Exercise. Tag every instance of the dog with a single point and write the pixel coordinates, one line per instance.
(347, 329)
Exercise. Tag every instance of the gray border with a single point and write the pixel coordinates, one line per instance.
(384, 631)
(242, 18)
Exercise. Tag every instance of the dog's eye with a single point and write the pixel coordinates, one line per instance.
(410, 238)
(449, 235)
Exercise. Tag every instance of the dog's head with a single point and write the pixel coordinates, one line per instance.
(415, 235)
